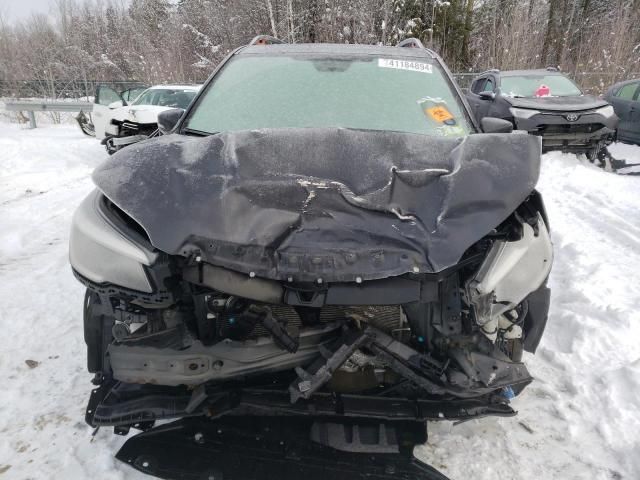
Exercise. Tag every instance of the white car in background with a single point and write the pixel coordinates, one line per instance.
(119, 122)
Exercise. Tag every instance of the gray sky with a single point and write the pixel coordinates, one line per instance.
(15, 10)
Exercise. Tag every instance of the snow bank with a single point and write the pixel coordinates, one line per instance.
(580, 418)
(43, 175)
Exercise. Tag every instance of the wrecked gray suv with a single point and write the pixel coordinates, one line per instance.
(318, 256)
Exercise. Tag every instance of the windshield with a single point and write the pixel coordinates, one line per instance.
(369, 93)
(175, 98)
(538, 86)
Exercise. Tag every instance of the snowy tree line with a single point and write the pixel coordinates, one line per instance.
(159, 41)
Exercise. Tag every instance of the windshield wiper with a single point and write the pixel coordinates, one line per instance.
(200, 133)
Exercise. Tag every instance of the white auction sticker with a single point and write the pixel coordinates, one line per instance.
(405, 65)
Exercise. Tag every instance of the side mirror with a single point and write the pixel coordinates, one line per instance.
(487, 95)
(116, 104)
(496, 125)
(168, 120)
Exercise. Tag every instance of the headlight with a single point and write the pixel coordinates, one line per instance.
(101, 254)
(606, 112)
(523, 112)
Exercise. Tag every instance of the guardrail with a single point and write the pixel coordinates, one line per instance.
(45, 106)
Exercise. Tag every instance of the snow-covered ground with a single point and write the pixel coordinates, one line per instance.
(580, 419)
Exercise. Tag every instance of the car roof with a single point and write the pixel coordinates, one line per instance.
(176, 87)
(620, 84)
(538, 71)
(617, 86)
(336, 49)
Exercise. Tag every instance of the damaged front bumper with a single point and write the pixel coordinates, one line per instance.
(582, 133)
(125, 406)
(257, 434)
(117, 403)
(271, 427)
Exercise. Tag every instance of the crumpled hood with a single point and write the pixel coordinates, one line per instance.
(331, 204)
(561, 104)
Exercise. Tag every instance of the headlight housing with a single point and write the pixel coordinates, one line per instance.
(523, 112)
(101, 254)
(606, 112)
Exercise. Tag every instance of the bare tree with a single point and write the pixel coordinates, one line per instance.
(157, 41)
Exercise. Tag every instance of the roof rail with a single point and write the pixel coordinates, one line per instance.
(411, 43)
(265, 40)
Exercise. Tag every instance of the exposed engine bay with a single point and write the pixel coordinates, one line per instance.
(205, 330)
(173, 332)
(458, 334)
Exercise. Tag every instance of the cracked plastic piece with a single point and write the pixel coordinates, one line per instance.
(322, 369)
(283, 337)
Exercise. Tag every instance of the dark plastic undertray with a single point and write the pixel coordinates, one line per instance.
(269, 448)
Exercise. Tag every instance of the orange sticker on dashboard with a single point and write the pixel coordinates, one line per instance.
(439, 114)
